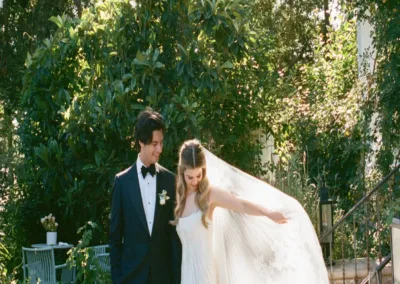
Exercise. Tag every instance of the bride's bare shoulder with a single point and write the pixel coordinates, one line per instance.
(214, 189)
(216, 193)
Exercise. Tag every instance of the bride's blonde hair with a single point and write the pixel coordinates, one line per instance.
(191, 156)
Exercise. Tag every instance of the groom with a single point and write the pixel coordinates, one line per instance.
(144, 246)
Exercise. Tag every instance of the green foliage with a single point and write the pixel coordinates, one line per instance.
(367, 231)
(6, 276)
(5, 256)
(316, 110)
(83, 258)
(85, 85)
(286, 32)
(24, 24)
(293, 179)
(216, 70)
(384, 84)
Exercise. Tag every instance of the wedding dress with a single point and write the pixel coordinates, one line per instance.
(239, 248)
(198, 266)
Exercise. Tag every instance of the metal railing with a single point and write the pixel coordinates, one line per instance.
(361, 236)
(378, 271)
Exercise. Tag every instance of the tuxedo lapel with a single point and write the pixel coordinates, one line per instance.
(136, 196)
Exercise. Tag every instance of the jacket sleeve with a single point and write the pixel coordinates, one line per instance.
(116, 231)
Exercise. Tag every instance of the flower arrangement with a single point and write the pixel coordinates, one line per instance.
(49, 223)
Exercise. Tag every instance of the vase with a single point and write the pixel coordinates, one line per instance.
(51, 238)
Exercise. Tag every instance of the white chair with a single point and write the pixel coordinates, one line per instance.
(103, 257)
(104, 261)
(39, 266)
(99, 249)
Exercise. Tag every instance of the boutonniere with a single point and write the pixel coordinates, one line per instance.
(163, 197)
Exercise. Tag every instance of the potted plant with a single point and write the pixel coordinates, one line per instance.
(50, 225)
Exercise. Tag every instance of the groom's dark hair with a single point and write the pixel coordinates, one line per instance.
(147, 121)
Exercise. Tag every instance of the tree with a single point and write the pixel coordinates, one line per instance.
(384, 84)
(23, 26)
(85, 85)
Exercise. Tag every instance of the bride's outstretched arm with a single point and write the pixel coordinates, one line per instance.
(229, 201)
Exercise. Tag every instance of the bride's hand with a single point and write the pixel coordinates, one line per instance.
(277, 217)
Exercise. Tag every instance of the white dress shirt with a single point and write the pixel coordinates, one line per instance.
(148, 192)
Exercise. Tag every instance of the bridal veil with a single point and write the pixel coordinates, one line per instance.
(253, 249)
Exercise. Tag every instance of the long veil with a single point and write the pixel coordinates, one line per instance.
(251, 249)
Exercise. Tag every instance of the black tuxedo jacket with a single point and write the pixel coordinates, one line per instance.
(133, 252)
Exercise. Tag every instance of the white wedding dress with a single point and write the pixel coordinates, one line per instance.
(243, 249)
(198, 266)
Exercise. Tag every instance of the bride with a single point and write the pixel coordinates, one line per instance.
(247, 243)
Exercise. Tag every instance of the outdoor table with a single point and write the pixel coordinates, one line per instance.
(66, 246)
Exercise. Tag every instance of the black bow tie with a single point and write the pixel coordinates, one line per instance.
(151, 170)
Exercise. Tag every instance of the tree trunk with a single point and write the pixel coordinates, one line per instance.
(78, 5)
(326, 20)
